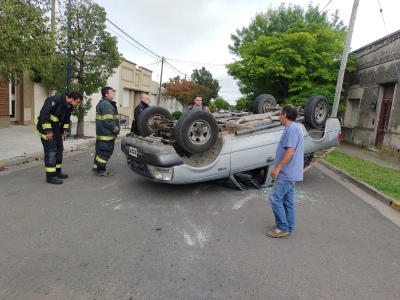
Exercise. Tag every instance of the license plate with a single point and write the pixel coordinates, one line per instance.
(133, 151)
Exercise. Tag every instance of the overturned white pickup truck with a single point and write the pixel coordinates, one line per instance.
(239, 147)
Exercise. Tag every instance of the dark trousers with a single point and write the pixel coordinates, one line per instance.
(104, 150)
(53, 153)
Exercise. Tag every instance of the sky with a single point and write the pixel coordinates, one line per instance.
(191, 34)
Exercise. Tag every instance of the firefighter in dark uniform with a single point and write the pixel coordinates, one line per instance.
(144, 103)
(52, 125)
(107, 130)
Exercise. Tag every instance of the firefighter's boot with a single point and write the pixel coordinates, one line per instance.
(53, 179)
(60, 174)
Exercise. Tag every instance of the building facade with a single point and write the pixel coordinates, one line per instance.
(20, 105)
(371, 119)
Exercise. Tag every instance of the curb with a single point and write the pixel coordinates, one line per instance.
(16, 161)
(366, 187)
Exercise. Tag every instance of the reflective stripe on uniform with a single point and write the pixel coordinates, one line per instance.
(54, 118)
(100, 160)
(58, 166)
(105, 117)
(46, 126)
(66, 126)
(50, 170)
(43, 136)
(105, 138)
(116, 129)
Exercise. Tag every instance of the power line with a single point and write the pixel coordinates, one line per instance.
(131, 43)
(159, 57)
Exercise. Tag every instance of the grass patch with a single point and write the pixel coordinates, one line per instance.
(385, 180)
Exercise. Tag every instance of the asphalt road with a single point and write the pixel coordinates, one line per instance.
(125, 237)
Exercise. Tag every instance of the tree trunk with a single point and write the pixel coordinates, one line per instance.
(80, 129)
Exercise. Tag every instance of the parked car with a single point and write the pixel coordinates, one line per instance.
(241, 147)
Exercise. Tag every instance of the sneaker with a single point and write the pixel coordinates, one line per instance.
(274, 234)
(273, 228)
(105, 174)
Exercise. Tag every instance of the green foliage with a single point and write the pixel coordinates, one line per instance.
(288, 52)
(244, 103)
(212, 107)
(184, 91)
(385, 180)
(25, 38)
(205, 78)
(176, 115)
(94, 53)
(221, 103)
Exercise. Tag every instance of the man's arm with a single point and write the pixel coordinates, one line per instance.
(285, 159)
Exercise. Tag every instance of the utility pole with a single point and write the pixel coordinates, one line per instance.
(346, 50)
(53, 17)
(159, 89)
(69, 48)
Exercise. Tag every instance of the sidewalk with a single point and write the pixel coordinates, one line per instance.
(19, 144)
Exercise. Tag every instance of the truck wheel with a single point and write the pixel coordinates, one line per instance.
(263, 104)
(147, 118)
(196, 131)
(316, 111)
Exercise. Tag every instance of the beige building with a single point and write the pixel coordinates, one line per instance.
(21, 104)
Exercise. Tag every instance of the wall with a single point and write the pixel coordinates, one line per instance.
(376, 70)
(4, 103)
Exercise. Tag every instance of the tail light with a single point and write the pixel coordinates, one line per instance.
(339, 137)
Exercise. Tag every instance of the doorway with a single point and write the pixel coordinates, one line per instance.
(12, 103)
(384, 115)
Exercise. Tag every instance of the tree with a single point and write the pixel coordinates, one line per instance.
(205, 78)
(24, 37)
(289, 53)
(94, 54)
(221, 103)
(184, 91)
(244, 103)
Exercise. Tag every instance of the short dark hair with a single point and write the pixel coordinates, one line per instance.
(290, 111)
(75, 95)
(105, 90)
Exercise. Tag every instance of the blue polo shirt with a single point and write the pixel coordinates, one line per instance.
(292, 137)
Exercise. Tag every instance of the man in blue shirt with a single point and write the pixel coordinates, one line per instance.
(288, 168)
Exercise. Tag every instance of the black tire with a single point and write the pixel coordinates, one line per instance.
(146, 119)
(316, 111)
(308, 159)
(196, 131)
(263, 104)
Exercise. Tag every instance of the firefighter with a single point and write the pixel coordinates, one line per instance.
(52, 125)
(107, 130)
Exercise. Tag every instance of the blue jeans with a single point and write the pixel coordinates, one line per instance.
(281, 199)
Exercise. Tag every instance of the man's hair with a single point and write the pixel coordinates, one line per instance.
(290, 111)
(199, 97)
(105, 90)
(75, 95)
